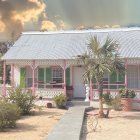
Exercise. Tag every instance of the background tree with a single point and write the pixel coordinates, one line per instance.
(4, 46)
(100, 59)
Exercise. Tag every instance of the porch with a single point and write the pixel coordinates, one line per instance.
(48, 78)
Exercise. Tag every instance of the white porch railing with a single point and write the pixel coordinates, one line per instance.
(113, 93)
(136, 100)
(48, 93)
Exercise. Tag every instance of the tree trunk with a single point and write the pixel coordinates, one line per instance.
(107, 113)
(100, 90)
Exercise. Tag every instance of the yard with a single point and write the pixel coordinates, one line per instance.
(34, 127)
(120, 126)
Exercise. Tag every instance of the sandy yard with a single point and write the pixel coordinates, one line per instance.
(120, 126)
(34, 127)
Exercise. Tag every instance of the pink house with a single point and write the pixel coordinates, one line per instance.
(46, 62)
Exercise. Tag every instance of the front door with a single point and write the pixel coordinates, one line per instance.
(78, 84)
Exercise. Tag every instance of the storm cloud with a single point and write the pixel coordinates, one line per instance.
(48, 15)
(15, 13)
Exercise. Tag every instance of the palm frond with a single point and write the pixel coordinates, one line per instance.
(94, 46)
(109, 48)
(101, 59)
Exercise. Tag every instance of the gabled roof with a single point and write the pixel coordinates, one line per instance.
(69, 44)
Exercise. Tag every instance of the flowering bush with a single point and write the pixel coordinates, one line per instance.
(127, 93)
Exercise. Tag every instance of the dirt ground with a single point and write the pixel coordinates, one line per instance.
(120, 126)
(34, 127)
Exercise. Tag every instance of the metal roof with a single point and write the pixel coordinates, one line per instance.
(69, 44)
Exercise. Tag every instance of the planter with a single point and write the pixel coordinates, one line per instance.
(127, 104)
(49, 105)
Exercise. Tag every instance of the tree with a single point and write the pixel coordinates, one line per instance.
(101, 58)
(4, 46)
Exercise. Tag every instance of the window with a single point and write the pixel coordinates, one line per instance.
(132, 73)
(57, 75)
(106, 80)
(29, 76)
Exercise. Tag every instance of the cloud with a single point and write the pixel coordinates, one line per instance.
(15, 13)
(2, 26)
(30, 14)
(48, 26)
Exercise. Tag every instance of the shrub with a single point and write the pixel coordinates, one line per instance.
(23, 99)
(9, 113)
(107, 99)
(60, 101)
(116, 103)
(126, 93)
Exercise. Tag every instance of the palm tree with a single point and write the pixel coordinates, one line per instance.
(99, 59)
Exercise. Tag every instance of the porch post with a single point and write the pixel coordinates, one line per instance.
(91, 92)
(64, 68)
(33, 78)
(138, 66)
(126, 79)
(4, 79)
(12, 75)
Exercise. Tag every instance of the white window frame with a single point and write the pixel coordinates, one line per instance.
(57, 73)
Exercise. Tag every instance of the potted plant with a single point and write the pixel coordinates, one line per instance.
(126, 98)
(60, 101)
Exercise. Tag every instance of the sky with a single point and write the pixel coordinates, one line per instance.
(17, 16)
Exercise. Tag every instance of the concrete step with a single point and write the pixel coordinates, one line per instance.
(78, 103)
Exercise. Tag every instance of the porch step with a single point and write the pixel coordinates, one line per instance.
(77, 103)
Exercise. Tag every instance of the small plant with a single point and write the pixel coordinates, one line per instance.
(107, 99)
(9, 113)
(116, 103)
(60, 101)
(23, 99)
(126, 93)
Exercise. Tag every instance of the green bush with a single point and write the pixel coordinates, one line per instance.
(23, 99)
(116, 103)
(60, 101)
(9, 113)
(107, 99)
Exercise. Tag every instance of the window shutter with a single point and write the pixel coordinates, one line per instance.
(41, 77)
(68, 76)
(113, 80)
(48, 76)
(121, 79)
(22, 77)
